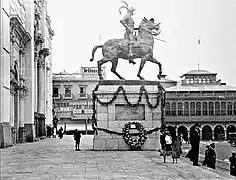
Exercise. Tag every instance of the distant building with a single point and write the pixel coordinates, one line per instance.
(25, 71)
(200, 97)
(72, 98)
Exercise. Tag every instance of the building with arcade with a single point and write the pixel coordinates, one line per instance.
(201, 97)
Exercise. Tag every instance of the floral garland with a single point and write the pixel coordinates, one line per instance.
(120, 88)
(160, 97)
(128, 137)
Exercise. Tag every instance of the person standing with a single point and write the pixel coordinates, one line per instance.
(177, 146)
(60, 133)
(211, 157)
(77, 136)
(195, 142)
(162, 139)
(205, 161)
(232, 161)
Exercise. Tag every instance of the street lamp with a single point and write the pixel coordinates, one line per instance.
(87, 116)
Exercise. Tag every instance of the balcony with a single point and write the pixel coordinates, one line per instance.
(56, 96)
(82, 96)
(67, 96)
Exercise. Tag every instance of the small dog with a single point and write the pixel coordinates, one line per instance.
(168, 153)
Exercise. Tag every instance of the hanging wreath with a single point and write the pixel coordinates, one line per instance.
(134, 140)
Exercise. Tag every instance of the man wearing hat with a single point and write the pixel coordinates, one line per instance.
(232, 161)
(195, 141)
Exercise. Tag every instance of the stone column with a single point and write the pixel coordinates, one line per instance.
(29, 74)
(22, 137)
(16, 114)
(41, 80)
(41, 86)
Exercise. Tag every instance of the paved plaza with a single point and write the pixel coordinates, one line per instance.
(56, 159)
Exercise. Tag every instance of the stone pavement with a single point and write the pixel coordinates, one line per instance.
(56, 159)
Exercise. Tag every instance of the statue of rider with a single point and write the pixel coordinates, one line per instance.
(128, 23)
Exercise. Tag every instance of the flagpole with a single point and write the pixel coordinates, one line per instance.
(199, 52)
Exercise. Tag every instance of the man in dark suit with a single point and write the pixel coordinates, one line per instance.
(195, 141)
(77, 136)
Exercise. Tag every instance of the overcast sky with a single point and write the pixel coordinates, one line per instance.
(79, 24)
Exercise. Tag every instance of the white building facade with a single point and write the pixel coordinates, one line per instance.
(25, 71)
(72, 98)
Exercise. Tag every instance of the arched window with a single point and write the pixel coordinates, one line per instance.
(229, 108)
(217, 108)
(234, 108)
(205, 110)
(198, 109)
(167, 109)
(223, 108)
(186, 109)
(211, 109)
(192, 109)
(173, 109)
(180, 109)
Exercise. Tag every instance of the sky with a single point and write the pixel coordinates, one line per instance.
(81, 25)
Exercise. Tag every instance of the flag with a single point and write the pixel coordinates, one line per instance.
(199, 41)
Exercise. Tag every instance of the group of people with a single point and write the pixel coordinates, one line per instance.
(77, 136)
(210, 154)
(170, 141)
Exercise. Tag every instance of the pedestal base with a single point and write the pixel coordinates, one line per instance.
(120, 102)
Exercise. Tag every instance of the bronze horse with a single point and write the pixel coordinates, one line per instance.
(114, 49)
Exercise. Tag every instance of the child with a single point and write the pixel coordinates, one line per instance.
(211, 163)
(205, 161)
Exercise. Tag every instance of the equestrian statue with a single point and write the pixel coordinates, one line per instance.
(132, 46)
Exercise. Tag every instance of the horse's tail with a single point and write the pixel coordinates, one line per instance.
(94, 50)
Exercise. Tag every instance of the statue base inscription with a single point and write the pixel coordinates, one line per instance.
(118, 103)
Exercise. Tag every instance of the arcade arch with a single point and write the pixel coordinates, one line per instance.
(219, 133)
(182, 130)
(206, 133)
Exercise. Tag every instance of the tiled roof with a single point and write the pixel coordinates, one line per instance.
(201, 87)
(199, 72)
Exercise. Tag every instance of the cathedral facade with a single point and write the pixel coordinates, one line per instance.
(25, 71)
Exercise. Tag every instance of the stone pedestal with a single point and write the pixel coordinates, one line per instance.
(114, 115)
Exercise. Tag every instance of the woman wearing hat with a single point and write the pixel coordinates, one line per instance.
(211, 163)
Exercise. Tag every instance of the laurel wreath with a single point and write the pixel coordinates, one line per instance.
(134, 143)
